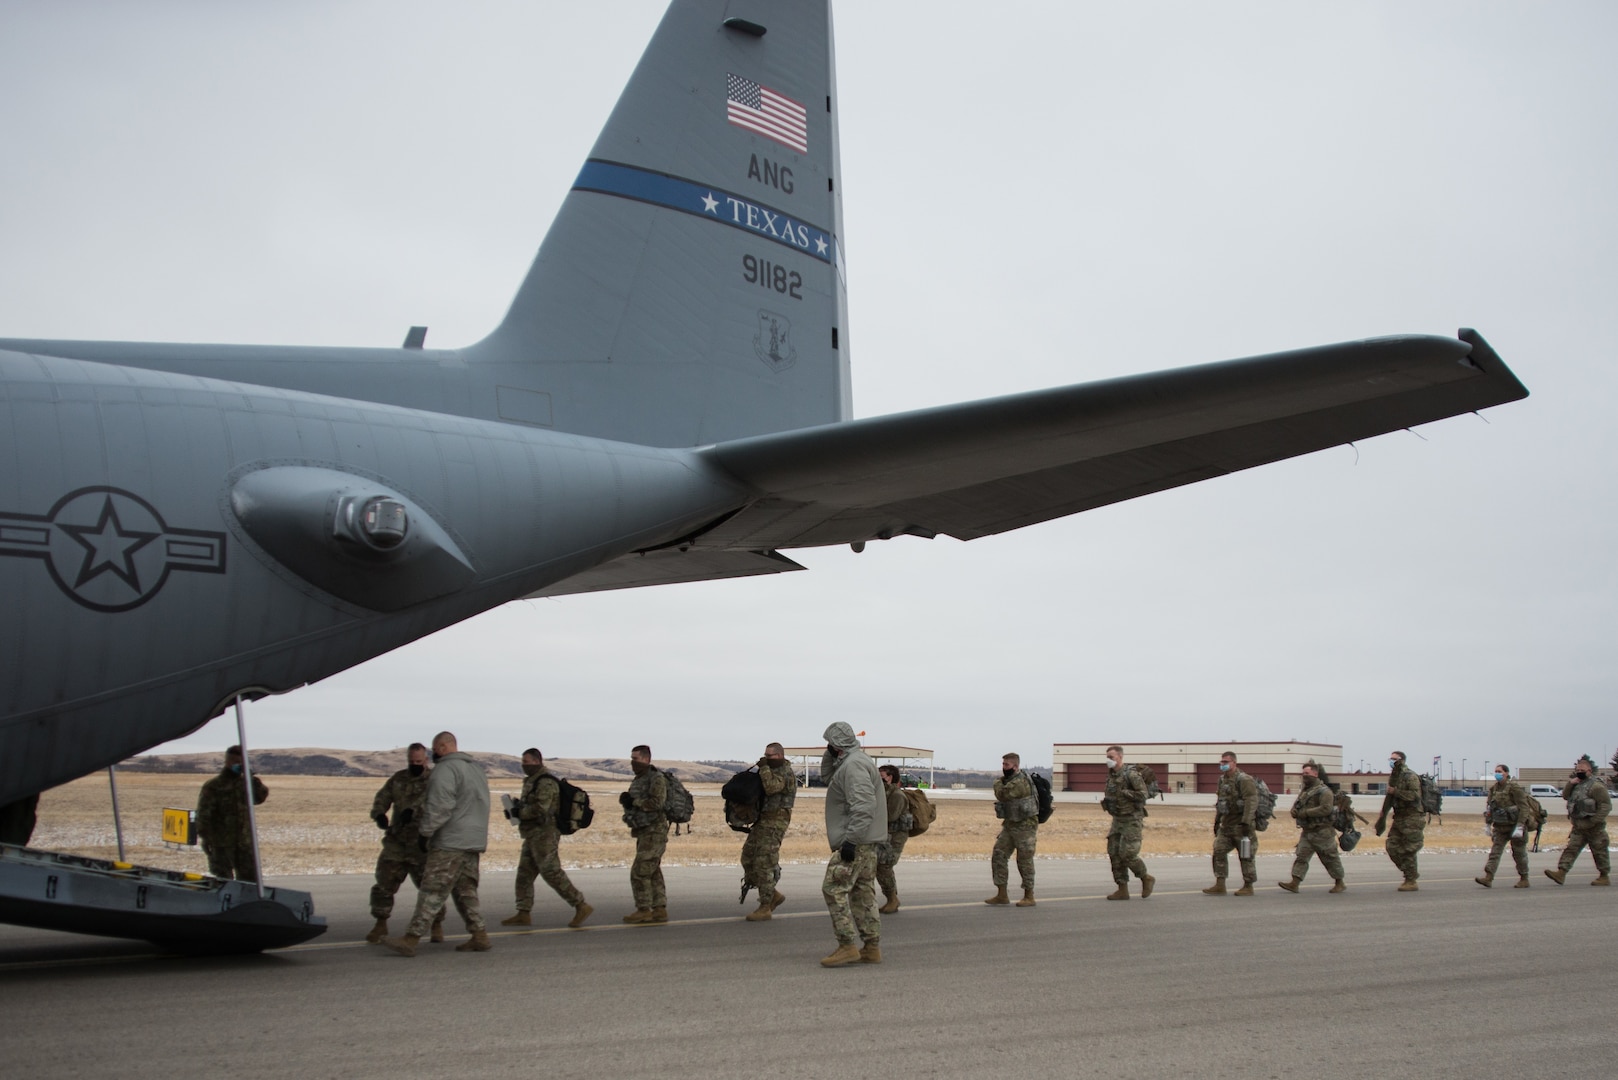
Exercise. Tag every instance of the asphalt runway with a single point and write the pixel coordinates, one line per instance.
(1454, 980)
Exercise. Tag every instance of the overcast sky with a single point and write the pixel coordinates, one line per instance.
(1037, 195)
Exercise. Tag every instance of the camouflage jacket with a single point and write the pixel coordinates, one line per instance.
(1313, 807)
(780, 790)
(1015, 799)
(536, 812)
(222, 809)
(1588, 800)
(1125, 796)
(647, 794)
(900, 818)
(1509, 806)
(403, 795)
(1404, 793)
(1236, 803)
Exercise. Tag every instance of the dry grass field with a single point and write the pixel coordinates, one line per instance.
(318, 825)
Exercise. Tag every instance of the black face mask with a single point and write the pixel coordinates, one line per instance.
(1007, 772)
(640, 767)
(417, 770)
(529, 770)
(1582, 775)
(432, 755)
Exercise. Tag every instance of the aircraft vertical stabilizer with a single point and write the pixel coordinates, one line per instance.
(690, 290)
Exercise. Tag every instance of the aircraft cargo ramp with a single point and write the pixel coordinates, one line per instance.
(176, 910)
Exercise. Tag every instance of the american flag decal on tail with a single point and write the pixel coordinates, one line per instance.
(768, 112)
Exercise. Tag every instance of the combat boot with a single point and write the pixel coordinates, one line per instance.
(1602, 880)
(1487, 880)
(1522, 883)
(999, 897)
(1289, 886)
(1245, 890)
(1217, 888)
(1408, 886)
(522, 918)
(1558, 875)
(1338, 886)
(639, 915)
(776, 899)
(378, 932)
(891, 906)
(659, 915)
(871, 953)
(1147, 883)
(845, 954)
(761, 913)
(1120, 893)
(404, 946)
(1027, 898)
(478, 942)
(580, 913)
(437, 932)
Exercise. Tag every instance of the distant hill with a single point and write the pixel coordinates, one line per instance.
(307, 761)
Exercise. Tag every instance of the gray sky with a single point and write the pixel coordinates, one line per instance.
(1059, 193)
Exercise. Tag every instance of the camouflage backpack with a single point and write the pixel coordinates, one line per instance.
(678, 805)
(1540, 814)
(1343, 817)
(1432, 797)
(1266, 806)
(922, 812)
(572, 808)
(1149, 776)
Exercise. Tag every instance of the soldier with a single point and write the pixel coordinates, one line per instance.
(454, 828)
(856, 823)
(1312, 811)
(1509, 815)
(223, 826)
(1235, 812)
(401, 856)
(649, 825)
(1125, 799)
(899, 823)
(1017, 807)
(536, 823)
(1588, 804)
(761, 851)
(1409, 819)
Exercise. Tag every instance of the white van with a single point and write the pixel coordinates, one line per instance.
(1542, 791)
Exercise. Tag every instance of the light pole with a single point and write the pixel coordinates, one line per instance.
(1485, 776)
(1463, 768)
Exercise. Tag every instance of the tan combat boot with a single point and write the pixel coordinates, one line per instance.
(1027, 898)
(999, 897)
(639, 915)
(1602, 880)
(404, 946)
(871, 953)
(478, 942)
(580, 913)
(1522, 883)
(1487, 880)
(378, 932)
(1289, 886)
(845, 954)
(1245, 890)
(659, 915)
(891, 906)
(761, 913)
(437, 932)
(1121, 892)
(1147, 884)
(522, 918)
(1408, 886)
(1338, 886)
(1217, 888)
(776, 899)
(1558, 875)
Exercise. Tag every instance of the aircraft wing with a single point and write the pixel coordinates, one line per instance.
(985, 467)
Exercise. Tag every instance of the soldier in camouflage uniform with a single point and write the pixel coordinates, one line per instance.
(1588, 804)
(856, 825)
(899, 822)
(541, 839)
(1510, 817)
(1017, 807)
(454, 828)
(761, 851)
(223, 827)
(649, 825)
(1312, 811)
(1125, 800)
(401, 856)
(1235, 813)
(1406, 837)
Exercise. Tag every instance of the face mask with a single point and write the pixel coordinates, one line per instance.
(1005, 771)
(640, 767)
(1393, 763)
(432, 755)
(1581, 774)
(417, 770)
(530, 770)
(237, 769)
(1499, 776)
(1224, 766)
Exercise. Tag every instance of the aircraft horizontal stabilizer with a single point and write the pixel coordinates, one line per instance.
(989, 466)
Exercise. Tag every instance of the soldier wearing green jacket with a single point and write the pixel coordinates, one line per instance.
(761, 851)
(1588, 804)
(1312, 811)
(1017, 807)
(899, 822)
(1510, 817)
(224, 827)
(1235, 816)
(1125, 800)
(1406, 837)
(648, 823)
(541, 858)
(401, 857)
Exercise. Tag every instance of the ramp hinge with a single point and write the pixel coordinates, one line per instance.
(50, 887)
(140, 897)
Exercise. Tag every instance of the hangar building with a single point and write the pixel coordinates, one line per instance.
(1184, 768)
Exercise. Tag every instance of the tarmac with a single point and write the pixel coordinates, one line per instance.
(1453, 980)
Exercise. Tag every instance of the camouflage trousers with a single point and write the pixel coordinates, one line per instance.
(1123, 849)
(1224, 844)
(761, 855)
(887, 857)
(1593, 833)
(541, 859)
(850, 892)
(448, 875)
(646, 872)
(1405, 839)
(1018, 836)
(1519, 850)
(232, 860)
(392, 867)
(1321, 843)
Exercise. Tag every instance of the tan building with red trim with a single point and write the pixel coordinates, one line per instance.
(1187, 768)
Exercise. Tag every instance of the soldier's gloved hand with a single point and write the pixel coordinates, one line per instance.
(1381, 825)
(406, 816)
(624, 800)
(421, 842)
(847, 851)
(381, 821)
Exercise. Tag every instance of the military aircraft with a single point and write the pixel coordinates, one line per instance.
(666, 400)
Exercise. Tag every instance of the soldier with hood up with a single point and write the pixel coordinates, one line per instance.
(856, 823)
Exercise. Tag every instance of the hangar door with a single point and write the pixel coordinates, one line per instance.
(1089, 776)
(1273, 775)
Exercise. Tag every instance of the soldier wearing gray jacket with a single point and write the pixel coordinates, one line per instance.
(454, 827)
(856, 823)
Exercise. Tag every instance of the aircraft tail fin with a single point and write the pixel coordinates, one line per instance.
(690, 290)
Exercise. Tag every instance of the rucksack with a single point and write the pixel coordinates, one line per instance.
(1343, 817)
(1149, 776)
(572, 808)
(744, 799)
(678, 805)
(1042, 793)
(922, 812)
(1432, 797)
(1540, 813)
(1266, 806)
